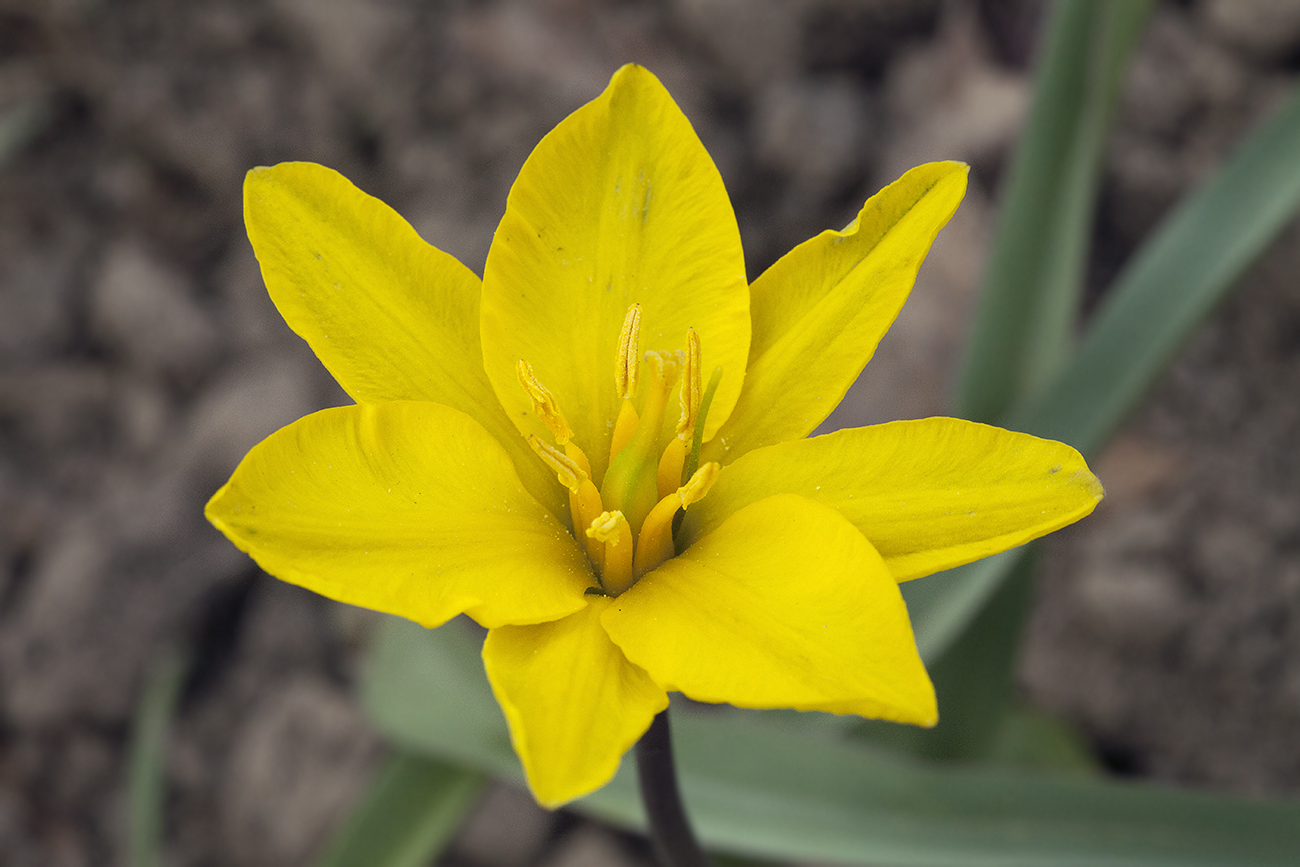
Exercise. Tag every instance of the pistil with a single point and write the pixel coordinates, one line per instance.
(626, 526)
(631, 482)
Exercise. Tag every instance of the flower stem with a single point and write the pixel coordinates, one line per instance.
(670, 831)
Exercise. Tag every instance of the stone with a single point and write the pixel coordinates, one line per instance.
(36, 310)
(1268, 29)
(1137, 603)
(815, 130)
(300, 760)
(506, 829)
(1229, 549)
(756, 40)
(251, 401)
(145, 312)
(591, 846)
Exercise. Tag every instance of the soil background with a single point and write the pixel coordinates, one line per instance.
(140, 358)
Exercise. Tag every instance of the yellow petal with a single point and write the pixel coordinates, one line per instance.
(619, 204)
(929, 494)
(783, 605)
(819, 312)
(409, 508)
(390, 316)
(573, 702)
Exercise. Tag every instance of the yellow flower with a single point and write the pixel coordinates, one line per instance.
(516, 449)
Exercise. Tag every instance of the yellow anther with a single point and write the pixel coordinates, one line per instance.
(571, 475)
(698, 484)
(584, 499)
(544, 403)
(612, 530)
(606, 526)
(628, 359)
(692, 386)
(655, 543)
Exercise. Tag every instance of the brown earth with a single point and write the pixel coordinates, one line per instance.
(140, 358)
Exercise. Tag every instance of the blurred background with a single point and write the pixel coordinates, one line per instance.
(140, 358)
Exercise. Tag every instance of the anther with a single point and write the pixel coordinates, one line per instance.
(612, 531)
(628, 358)
(584, 499)
(692, 385)
(570, 474)
(626, 365)
(544, 403)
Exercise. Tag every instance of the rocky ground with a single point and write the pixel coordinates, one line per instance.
(140, 358)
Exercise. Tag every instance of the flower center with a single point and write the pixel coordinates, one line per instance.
(626, 525)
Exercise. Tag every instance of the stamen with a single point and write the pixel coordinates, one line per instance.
(571, 475)
(670, 466)
(584, 499)
(698, 484)
(628, 359)
(544, 403)
(612, 530)
(655, 543)
(692, 385)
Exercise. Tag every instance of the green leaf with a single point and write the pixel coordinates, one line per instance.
(412, 809)
(942, 605)
(1159, 299)
(756, 784)
(21, 124)
(1030, 297)
(975, 680)
(146, 763)
(1170, 285)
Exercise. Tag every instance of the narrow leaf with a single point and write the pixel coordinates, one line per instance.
(146, 765)
(409, 814)
(1029, 300)
(755, 784)
(1169, 287)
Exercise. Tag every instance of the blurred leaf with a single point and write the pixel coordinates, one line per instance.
(1029, 738)
(412, 809)
(147, 761)
(1030, 297)
(975, 678)
(756, 783)
(941, 606)
(1168, 288)
(1170, 285)
(20, 124)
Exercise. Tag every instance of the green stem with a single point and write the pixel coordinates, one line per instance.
(670, 831)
